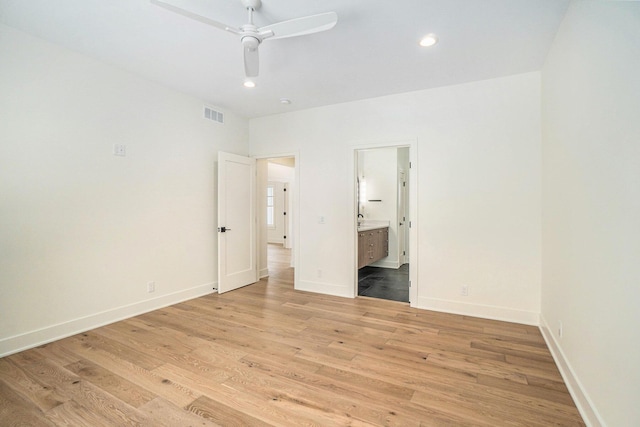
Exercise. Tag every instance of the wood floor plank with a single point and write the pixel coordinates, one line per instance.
(165, 414)
(302, 401)
(95, 401)
(114, 384)
(90, 404)
(527, 389)
(72, 413)
(267, 354)
(175, 393)
(438, 345)
(224, 415)
(335, 384)
(18, 377)
(58, 352)
(202, 383)
(17, 410)
(145, 340)
(493, 368)
(92, 340)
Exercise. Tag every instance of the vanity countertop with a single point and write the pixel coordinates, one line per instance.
(371, 224)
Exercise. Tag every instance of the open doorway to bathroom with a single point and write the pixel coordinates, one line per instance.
(382, 188)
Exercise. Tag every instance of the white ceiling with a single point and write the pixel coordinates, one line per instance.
(372, 51)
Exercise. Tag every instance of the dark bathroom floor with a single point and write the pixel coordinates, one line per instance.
(385, 283)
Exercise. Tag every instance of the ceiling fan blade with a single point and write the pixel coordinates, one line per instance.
(301, 26)
(194, 9)
(251, 62)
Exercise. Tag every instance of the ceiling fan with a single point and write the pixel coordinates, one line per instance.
(252, 36)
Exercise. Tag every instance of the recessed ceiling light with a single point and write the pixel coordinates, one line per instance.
(285, 101)
(249, 83)
(428, 40)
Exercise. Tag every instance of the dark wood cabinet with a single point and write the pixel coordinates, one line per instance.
(373, 245)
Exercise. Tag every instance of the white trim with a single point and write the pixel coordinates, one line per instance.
(66, 329)
(584, 404)
(386, 264)
(479, 310)
(324, 288)
(263, 273)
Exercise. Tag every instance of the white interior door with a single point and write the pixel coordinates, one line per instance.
(237, 265)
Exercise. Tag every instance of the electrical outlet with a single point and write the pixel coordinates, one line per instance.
(319, 273)
(560, 329)
(464, 290)
(151, 287)
(322, 219)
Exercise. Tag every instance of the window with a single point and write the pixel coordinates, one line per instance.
(270, 207)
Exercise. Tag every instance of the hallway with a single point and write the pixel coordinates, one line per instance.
(279, 262)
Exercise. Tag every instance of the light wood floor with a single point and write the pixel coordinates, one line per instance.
(269, 355)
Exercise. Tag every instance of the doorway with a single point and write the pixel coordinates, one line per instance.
(383, 206)
(276, 213)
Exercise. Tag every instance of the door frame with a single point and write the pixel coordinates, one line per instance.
(403, 198)
(295, 203)
(412, 178)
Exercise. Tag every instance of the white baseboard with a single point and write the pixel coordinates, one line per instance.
(42, 336)
(325, 288)
(386, 264)
(588, 411)
(263, 273)
(478, 310)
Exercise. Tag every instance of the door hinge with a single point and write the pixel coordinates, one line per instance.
(409, 165)
(409, 224)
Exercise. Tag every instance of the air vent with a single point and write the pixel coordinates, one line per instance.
(211, 114)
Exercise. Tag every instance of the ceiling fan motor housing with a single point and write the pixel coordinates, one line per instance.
(251, 4)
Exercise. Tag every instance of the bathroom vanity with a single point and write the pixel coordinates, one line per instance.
(373, 242)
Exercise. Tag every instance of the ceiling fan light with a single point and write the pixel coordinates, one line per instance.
(285, 101)
(428, 40)
(250, 42)
(249, 83)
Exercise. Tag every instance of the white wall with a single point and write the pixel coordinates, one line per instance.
(591, 207)
(281, 173)
(479, 190)
(83, 231)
